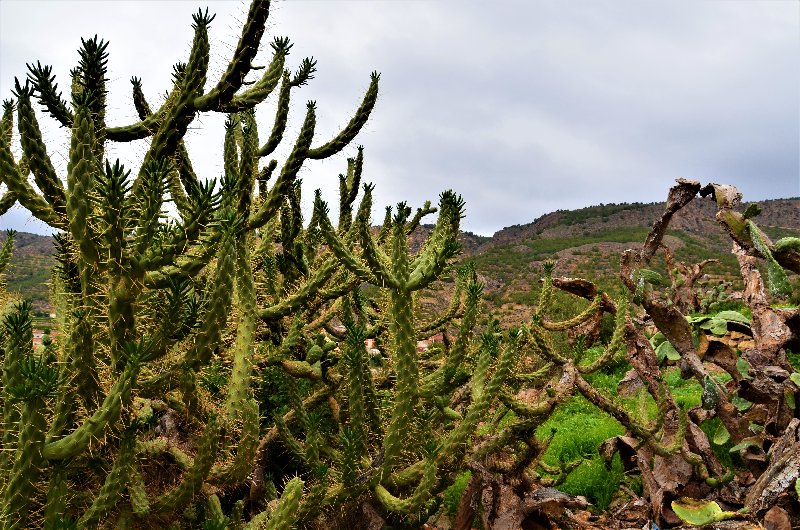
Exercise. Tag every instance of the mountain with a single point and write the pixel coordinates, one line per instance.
(586, 242)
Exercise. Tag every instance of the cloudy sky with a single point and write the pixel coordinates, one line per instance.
(522, 107)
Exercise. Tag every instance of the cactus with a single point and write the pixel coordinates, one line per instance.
(144, 301)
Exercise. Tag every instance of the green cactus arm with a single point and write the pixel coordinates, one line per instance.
(196, 231)
(453, 311)
(338, 247)
(249, 161)
(55, 507)
(353, 127)
(239, 382)
(230, 148)
(578, 319)
(407, 370)
(218, 304)
(80, 348)
(375, 259)
(147, 201)
(44, 82)
(137, 493)
(355, 356)
(435, 383)
(18, 331)
(426, 209)
(417, 498)
(284, 515)
(149, 121)
(19, 489)
(7, 121)
(482, 397)
(173, 127)
(542, 346)
(36, 152)
(262, 88)
(186, 265)
(78, 440)
(113, 487)
(614, 345)
(12, 175)
(348, 189)
(441, 245)
(239, 467)
(7, 250)
(281, 117)
(7, 200)
(139, 101)
(80, 182)
(310, 288)
(241, 63)
(189, 487)
(291, 167)
(776, 277)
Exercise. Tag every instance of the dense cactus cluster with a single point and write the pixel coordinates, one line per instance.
(212, 371)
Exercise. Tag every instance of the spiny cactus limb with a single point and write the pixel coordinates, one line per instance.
(77, 441)
(776, 277)
(355, 356)
(7, 201)
(310, 288)
(578, 319)
(80, 181)
(116, 481)
(454, 310)
(6, 250)
(47, 93)
(284, 515)
(426, 209)
(614, 345)
(355, 264)
(376, 260)
(237, 469)
(239, 383)
(261, 89)
(15, 179)
(186, 265)
(419, 496)
(273, 433)
(482, 400)
(140, 504)
(620, 414)
(36, 153)
(288, 174)
(353, 127)
(18, 338)
(57, 495)
(434, 383)
(524, 426)
(174, 126)
(241, 63)
(218, 305)
(407, 370)
(190, 485)
(541, 345)
(19, 490)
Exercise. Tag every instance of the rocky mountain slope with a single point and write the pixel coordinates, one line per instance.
(585, 242)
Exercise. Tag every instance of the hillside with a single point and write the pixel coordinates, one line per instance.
(585, 242)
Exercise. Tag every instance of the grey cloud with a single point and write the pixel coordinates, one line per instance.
(522, 107)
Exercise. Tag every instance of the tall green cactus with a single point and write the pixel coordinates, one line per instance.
(145, 302)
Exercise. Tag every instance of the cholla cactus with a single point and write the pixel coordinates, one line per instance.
(144, 300)
(383, 427)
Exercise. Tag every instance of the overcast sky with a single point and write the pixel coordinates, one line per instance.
(522, 107)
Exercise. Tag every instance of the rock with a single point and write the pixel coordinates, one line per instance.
(777, 519)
